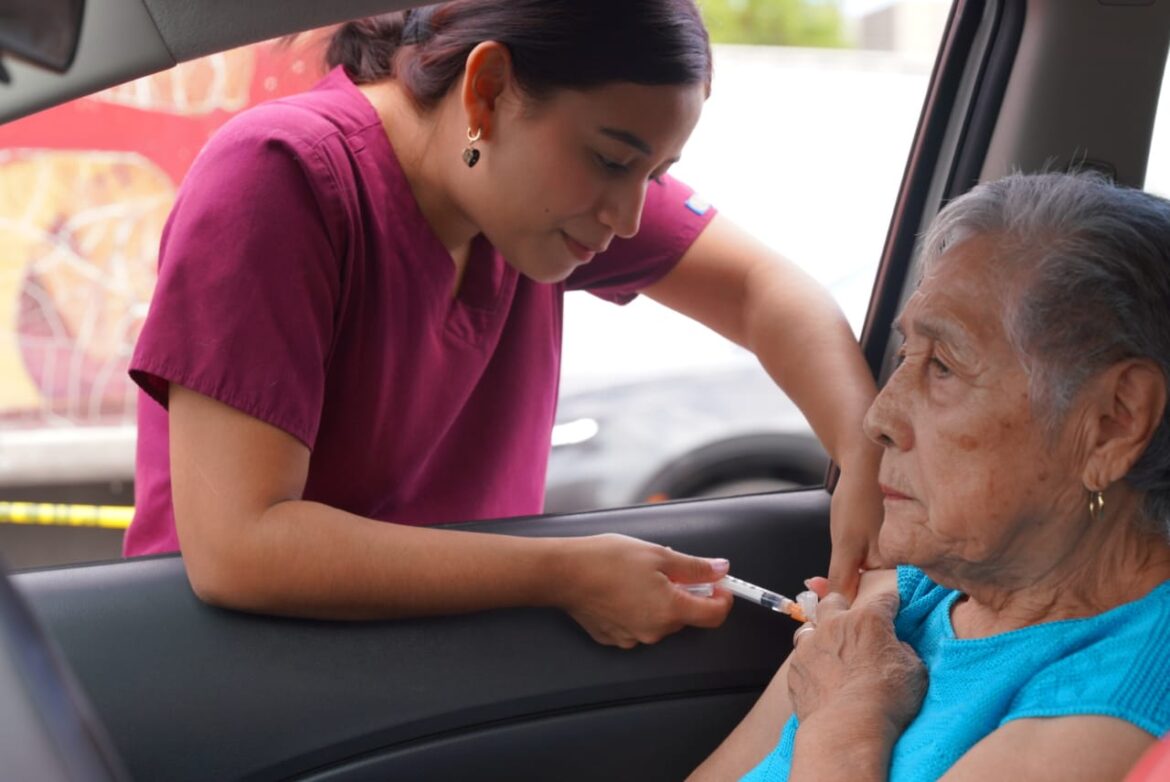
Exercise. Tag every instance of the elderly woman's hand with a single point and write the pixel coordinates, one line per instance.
(852, 683)
(853, 658)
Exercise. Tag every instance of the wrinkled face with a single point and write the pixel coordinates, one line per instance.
(972, 484)
(563, 177)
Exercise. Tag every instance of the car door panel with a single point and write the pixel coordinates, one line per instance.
(188, 691)
(614, 741)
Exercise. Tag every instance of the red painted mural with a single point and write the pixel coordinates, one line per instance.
(85, 189)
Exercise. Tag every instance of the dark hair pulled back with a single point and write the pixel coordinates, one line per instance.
(554, 44)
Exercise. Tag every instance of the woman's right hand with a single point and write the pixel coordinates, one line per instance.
(625, 591)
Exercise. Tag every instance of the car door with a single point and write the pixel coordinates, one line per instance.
(187, 691)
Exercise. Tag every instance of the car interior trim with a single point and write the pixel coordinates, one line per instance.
(943, 113)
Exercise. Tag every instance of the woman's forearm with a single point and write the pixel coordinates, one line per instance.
(804, 342)
(739, 287)
(307, 559)
(251, 543)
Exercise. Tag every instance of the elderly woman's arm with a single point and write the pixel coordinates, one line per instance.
(754, 737)
(1068, 749)
(853, 742)
(834, 744)
(853, 685)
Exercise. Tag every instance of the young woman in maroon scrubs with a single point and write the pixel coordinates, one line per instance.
(358, 319)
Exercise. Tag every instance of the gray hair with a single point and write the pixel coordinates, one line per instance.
(1094, 262)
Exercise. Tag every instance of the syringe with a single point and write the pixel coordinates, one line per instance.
(802, 610)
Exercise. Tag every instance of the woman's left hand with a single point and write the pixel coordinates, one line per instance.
(855, 519)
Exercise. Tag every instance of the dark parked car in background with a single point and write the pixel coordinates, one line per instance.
(723, 432)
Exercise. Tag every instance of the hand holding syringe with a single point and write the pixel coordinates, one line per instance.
(802, 609)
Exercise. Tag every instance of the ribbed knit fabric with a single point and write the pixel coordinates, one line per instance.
(1115, 664)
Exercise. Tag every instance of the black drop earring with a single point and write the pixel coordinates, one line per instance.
(471, 154)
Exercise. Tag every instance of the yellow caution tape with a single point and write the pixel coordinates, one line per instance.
(49, 514)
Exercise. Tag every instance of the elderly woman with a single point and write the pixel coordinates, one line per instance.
(1026, 476)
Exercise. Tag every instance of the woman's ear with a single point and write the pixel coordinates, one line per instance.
(1129, 400)
(485, 77)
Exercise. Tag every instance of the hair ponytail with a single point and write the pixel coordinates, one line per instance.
(555, 44)
(367, 47)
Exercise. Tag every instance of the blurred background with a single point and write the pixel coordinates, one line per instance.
(803, 142)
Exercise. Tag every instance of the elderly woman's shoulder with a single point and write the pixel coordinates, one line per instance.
(875, 583)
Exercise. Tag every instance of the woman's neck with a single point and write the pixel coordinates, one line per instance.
(1113, 563)
(422, 143)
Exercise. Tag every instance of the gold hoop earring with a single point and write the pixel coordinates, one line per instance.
(471, 154)
(1097, 505)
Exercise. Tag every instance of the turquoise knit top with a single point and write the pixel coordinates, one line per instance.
(1115, 664)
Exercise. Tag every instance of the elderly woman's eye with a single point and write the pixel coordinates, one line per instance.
(940, 369)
